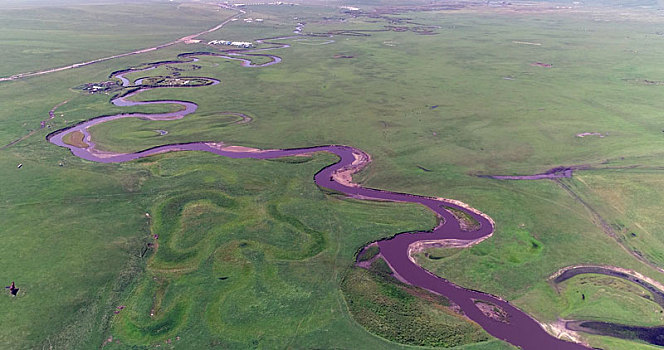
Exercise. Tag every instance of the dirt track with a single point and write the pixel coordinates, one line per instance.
(87, 63)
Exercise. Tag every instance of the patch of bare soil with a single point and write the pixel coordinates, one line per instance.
(559, 330)
(75, 139)
(492, 311)
(584, 134)
(526, 43)
(223, 147)
(344, 175)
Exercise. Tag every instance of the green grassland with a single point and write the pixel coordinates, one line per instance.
(68, 259)
(74, 236)
(398, 84)
(401, 313)
(614, 343)
(35, 37)
(278, 21)
(630, 200)
(593, 297)
(246, 258)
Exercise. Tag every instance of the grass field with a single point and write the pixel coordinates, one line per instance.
(630, 200)
(35, 37)
(406, 314)
(239, 262)
(251, 253)
(591, 297)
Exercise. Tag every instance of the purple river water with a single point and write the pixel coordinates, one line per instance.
(519, 329)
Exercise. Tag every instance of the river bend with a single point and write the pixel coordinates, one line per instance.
(520, 329)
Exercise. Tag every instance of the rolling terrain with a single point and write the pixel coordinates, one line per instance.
(436, 97)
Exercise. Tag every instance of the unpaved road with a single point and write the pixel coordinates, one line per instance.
(82, 64)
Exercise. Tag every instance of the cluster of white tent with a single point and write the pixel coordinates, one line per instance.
(244, 44)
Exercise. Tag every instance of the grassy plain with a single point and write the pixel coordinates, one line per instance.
(596, 297)
(630, 200)
(36, 37)
(73, 275)
(462, 102)
(248, 258)
(404, 313)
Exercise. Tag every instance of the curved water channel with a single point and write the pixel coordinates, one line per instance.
(516, 328)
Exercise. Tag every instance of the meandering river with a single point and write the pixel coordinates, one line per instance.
(517, 327)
